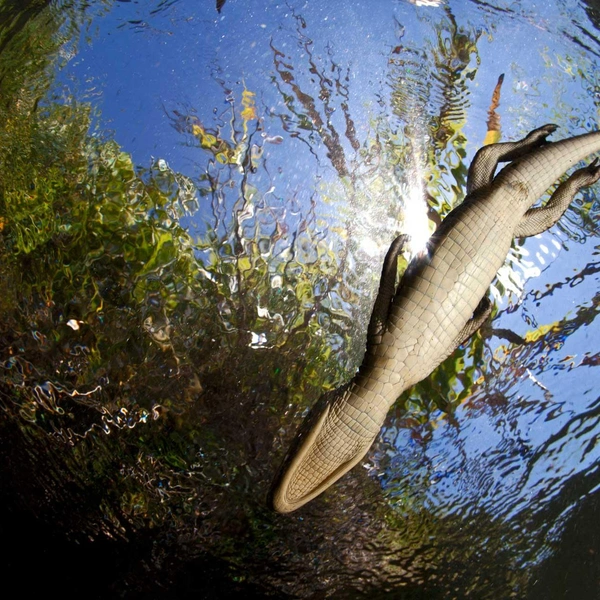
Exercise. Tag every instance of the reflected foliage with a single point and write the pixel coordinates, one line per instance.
(162, 335)
(131, 347)
(430, 99)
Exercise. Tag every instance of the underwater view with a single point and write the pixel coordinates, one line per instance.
(196, 200)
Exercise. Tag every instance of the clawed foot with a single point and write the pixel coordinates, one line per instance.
(538, 136)
(483, 167)
(534, 139)
(586, 175)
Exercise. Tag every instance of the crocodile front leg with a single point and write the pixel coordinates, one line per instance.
(538, 220)
(387, 289)
(480, 315)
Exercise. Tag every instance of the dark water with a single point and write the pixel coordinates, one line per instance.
(195, 202)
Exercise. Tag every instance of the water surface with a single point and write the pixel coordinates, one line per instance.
(195, 203)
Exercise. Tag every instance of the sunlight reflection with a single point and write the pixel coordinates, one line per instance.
(416, 223)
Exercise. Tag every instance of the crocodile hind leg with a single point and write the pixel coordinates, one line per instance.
(537, 220)
(387, 289)
(483, 166)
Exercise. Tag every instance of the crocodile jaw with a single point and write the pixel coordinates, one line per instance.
(329, 451)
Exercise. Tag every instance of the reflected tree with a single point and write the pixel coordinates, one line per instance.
(132, 350)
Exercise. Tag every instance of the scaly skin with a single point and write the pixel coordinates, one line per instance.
(440, 302)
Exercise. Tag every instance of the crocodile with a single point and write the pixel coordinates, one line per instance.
(440, 302)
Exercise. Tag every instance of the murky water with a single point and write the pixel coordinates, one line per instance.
(195, 202)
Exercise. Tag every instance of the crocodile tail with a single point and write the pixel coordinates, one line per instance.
(540, 168)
